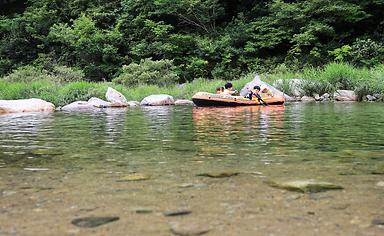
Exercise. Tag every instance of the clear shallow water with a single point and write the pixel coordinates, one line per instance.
(89, 152)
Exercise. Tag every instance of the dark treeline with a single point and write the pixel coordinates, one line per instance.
(202, 38)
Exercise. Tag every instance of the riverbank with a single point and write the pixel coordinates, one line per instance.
(309, 82)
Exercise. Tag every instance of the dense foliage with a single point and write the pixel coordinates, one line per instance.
(202, 38)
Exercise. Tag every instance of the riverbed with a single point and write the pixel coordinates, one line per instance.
(189, 171)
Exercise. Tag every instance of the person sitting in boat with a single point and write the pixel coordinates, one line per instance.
(219, 90)
(253, 92)
(228, 90)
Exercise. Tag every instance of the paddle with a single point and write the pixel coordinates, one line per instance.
(260, 99)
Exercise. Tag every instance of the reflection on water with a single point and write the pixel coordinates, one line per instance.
(243, 135)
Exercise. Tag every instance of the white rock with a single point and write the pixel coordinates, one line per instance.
(371, 98)
(115, 97)
(97, 102)
(257, 81)
(158, 100)
(183, 102)
(78, 106)
(133, 103)
(345, 95)
(25, 105)
(317, 97)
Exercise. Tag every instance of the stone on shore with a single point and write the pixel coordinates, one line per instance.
(317, 97)
(183, 102)
(115, 97)
(25, 105)
(307, 99)
(371, 98)
(97, 102)
(345, 95)
(305, 186)
(133, 103)
(79, 106)
(158, 100)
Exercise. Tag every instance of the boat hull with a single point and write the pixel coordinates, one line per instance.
(208, 99)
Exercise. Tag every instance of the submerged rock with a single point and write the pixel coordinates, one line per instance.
(177, 212)
(305, 186)
(25, 105)
(187, 229)
(115, 97)
(134, 177)
(142, 210)
(219, 174)
(90, 222)
(378, 222)
(158, 100)
(36, 169)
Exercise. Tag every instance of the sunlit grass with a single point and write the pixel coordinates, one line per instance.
(316, 80)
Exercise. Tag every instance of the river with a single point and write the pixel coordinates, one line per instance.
(148, 166)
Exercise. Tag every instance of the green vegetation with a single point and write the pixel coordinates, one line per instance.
(67, 50)
(202, 38)
(315, 80)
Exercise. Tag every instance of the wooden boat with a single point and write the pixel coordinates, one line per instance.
(211, 99)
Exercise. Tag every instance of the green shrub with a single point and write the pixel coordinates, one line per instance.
(161, 73)
(367, 52)
(28, 74)
(67, 74)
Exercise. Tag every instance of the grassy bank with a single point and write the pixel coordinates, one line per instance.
(313, 80)
(61, 94)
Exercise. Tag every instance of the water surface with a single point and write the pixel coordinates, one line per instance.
(81, 158)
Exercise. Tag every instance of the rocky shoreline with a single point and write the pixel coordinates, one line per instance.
(115, 99)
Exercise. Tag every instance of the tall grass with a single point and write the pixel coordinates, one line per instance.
(314, 80)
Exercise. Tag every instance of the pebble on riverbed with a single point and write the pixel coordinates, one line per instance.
(305, 186)
(134, 177)
(219, 174)
(187, 229)
(90, 222)
(177, 212)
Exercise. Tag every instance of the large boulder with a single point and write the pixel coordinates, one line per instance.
(345, 95)
(115, 97)
(25, 105)
(158, 100)
(259, 82)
